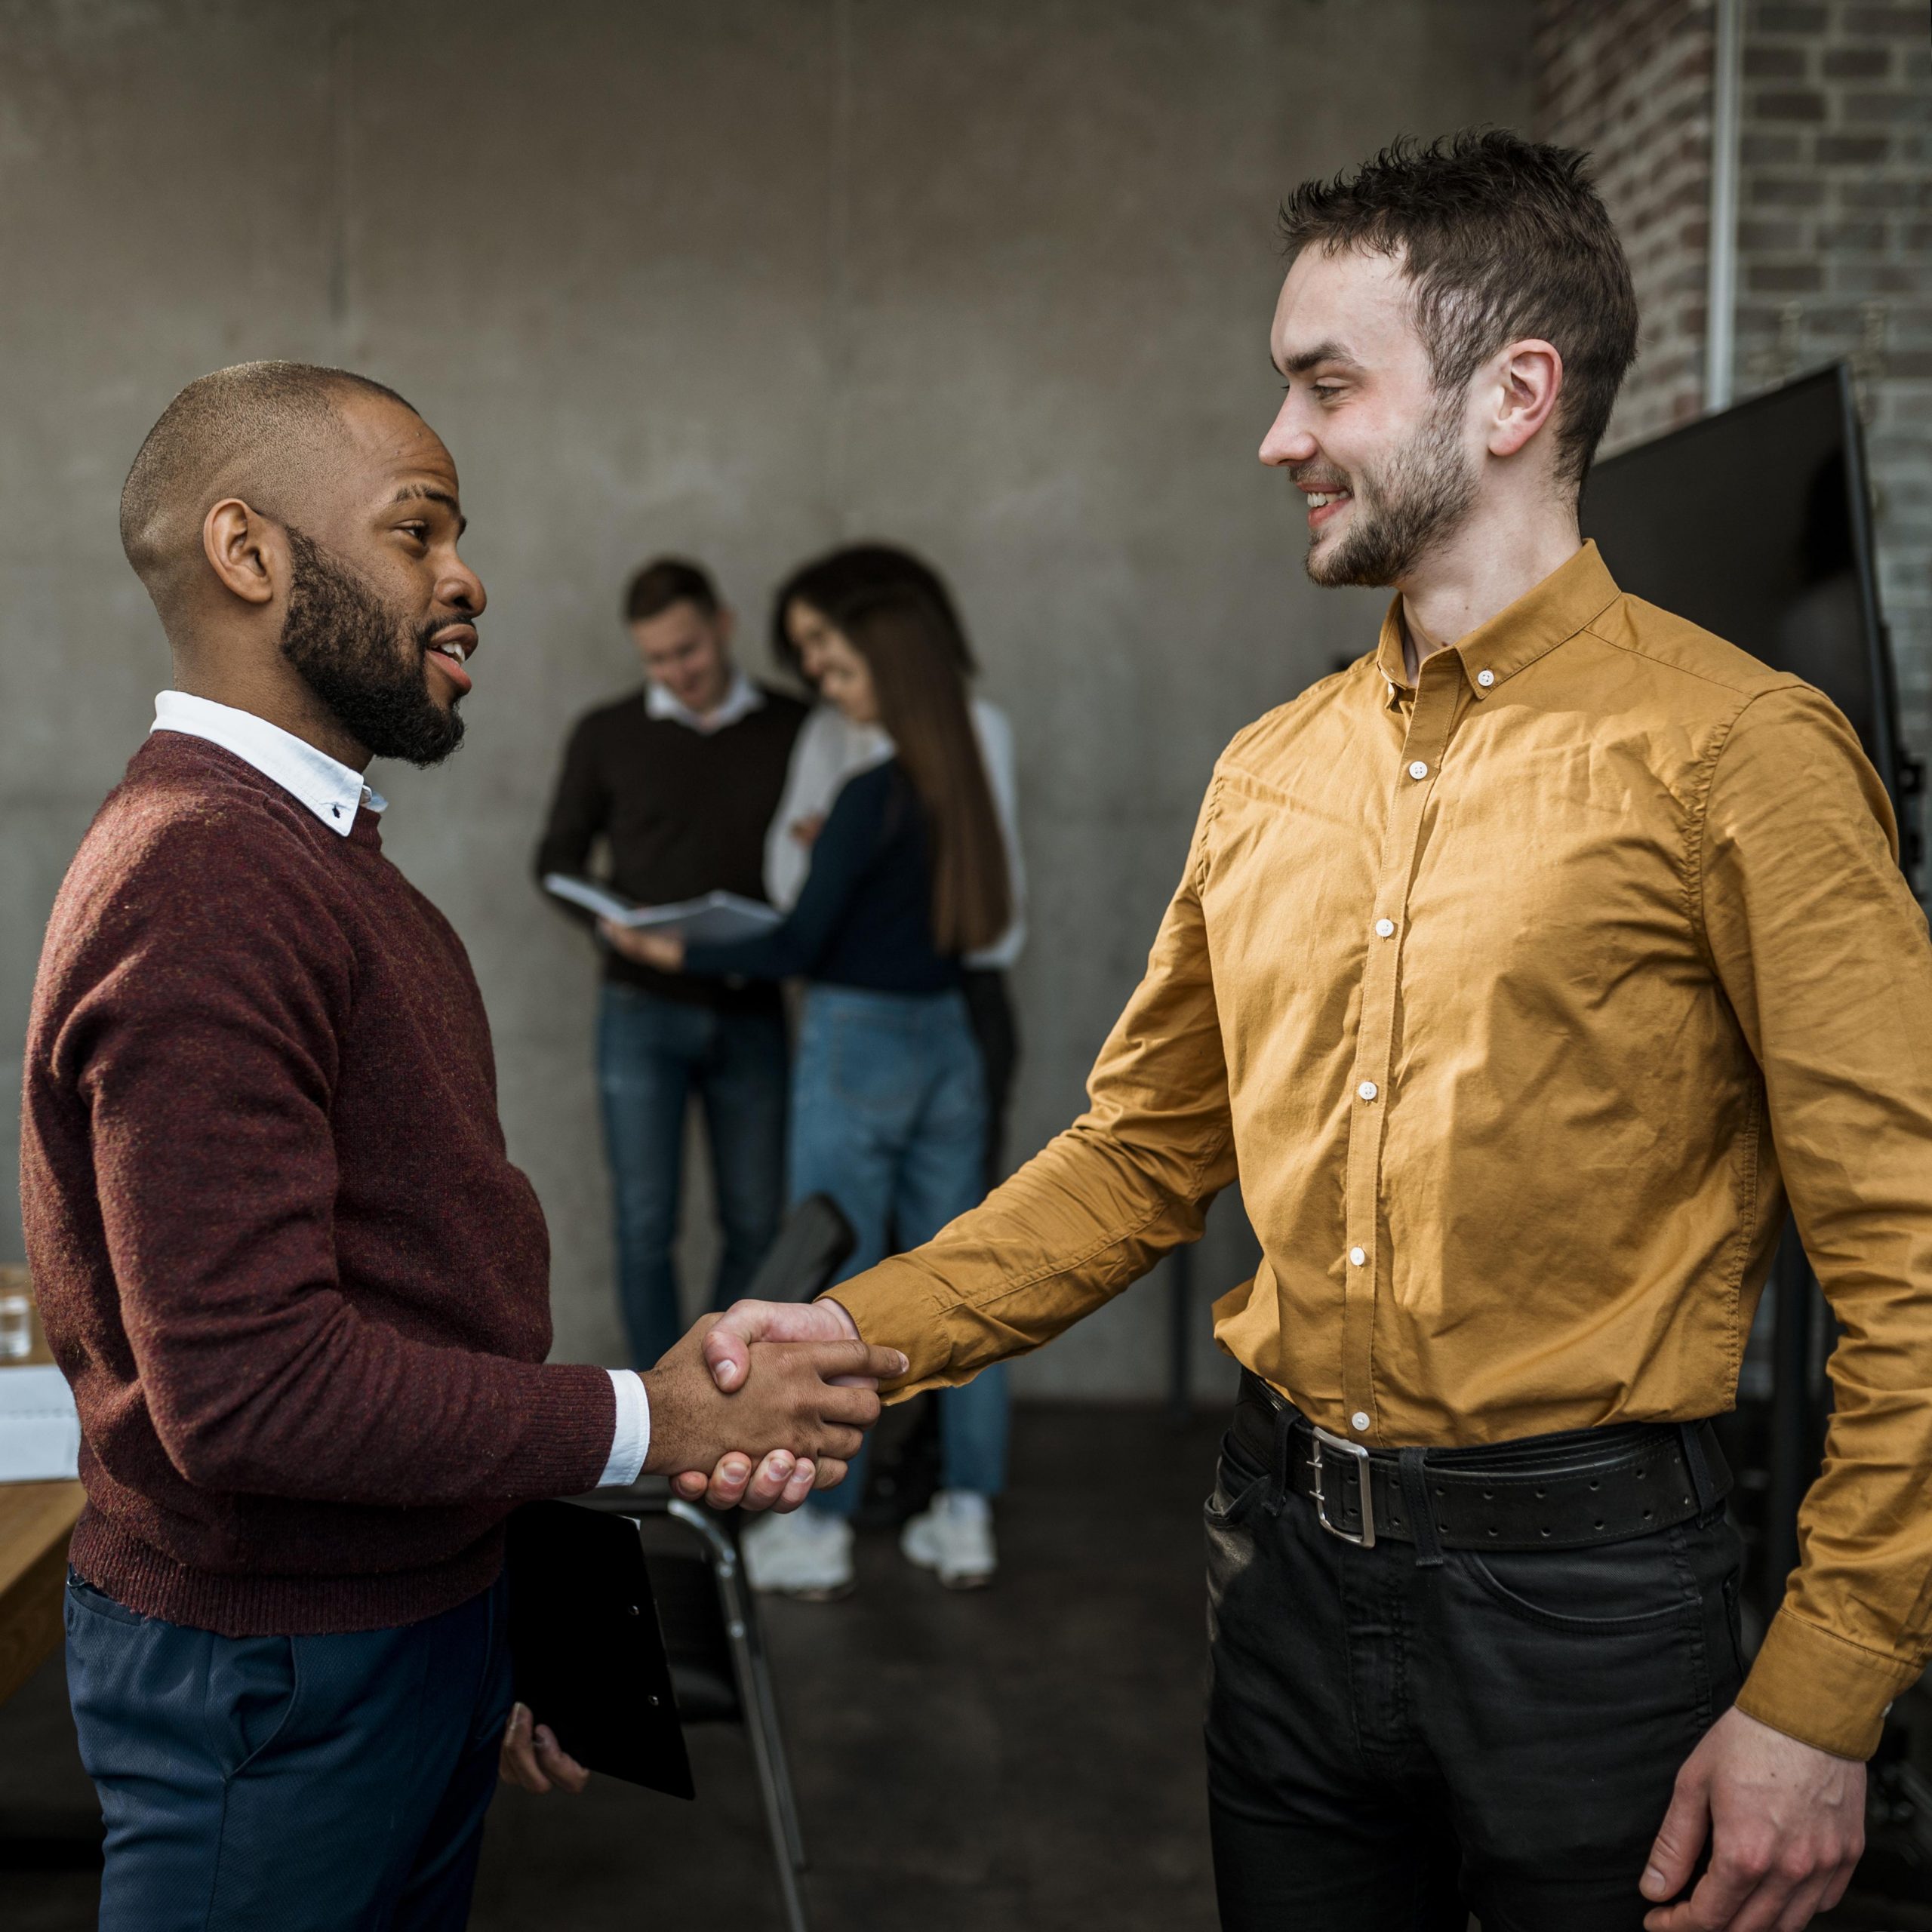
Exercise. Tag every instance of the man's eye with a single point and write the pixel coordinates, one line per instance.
(1325, 391)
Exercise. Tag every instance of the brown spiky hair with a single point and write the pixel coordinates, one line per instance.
(1500, 239)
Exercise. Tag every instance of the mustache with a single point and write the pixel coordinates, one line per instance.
(1313, 476)
(427, 634)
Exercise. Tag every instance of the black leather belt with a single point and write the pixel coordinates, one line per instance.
(1565, 1491)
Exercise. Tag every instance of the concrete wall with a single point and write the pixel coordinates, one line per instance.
(741, 277)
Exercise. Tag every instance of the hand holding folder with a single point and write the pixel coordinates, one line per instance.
(586, 1654)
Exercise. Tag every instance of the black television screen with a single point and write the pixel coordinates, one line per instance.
(1755, 523)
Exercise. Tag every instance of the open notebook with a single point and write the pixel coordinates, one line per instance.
(716, 917)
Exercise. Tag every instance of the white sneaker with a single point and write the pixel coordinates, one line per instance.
(808, 1554)
(955, 1537)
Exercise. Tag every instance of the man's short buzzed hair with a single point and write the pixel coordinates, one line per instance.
(1500, 239)
(253, 431)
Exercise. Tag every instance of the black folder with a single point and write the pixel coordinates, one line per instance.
(586, 1653)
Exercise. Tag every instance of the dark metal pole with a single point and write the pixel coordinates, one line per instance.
(1793, 1447)
(1180, 1329)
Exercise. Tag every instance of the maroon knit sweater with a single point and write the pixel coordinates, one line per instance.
(300, 1292)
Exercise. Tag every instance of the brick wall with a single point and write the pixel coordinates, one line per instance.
(1630, 81)
(1834, 230)
(1835, 242)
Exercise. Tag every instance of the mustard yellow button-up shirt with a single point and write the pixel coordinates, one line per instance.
(1520, 1000)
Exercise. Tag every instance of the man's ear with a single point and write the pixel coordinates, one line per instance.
(726, 622)
(1528, 381)
(247, 553)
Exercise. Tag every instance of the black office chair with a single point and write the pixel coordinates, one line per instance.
(720, 1673)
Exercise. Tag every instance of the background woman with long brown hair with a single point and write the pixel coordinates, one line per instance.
(830, 749)
(909, 875)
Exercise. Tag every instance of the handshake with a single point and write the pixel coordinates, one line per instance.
(760, 1406)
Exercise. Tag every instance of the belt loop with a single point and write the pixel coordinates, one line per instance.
(1285, 1433)
(1690, 1435)
(1422, 1516)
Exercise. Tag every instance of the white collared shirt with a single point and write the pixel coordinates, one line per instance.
(744, 698)
(333, 791)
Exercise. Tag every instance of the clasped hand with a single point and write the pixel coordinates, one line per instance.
(788, 1390)
(733, 1348)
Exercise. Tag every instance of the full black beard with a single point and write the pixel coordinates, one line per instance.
(363, 660)
(1427, 491)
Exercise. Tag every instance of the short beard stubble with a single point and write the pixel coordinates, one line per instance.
(361, 660)
(1425, 493)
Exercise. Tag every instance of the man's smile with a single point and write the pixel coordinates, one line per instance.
(448, 649)
(1324, 504)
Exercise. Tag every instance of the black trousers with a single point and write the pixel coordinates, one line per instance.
(1391, 1747)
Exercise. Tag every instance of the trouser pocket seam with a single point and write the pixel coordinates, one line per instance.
(1500, 1593)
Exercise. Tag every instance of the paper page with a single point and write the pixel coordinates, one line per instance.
(593, 897)
(40, 1433)
(715, 919)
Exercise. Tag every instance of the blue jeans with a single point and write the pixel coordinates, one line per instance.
(653, 1054)
(889, 1118)
(310, 1783)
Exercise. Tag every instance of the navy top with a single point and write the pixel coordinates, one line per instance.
(865, 918)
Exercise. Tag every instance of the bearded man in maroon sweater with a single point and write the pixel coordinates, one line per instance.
(300, 1290)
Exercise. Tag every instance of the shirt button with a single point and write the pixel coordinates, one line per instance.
(1418, 769)
(1358, 1255)
(1384, 928)
(1359, 1420)
(1366, 1090)
(335, 811)
(1485, 678)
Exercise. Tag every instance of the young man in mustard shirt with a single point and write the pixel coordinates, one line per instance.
(1524, 971)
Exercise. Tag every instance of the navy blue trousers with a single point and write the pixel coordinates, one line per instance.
(291, 1782)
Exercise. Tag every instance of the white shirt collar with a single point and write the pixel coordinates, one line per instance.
(330, 790)
(744, 698)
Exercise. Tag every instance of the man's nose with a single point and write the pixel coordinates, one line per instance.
(462, 587)
(1287, 440)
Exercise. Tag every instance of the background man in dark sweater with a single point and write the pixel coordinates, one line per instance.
(680, 781)
(298, 1289)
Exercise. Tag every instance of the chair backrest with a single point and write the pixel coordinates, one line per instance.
(811, 1247)
(685, 1548)
(703, 1681)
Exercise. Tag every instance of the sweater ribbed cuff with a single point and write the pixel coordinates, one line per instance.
(1822, 1689)
(571, 1420)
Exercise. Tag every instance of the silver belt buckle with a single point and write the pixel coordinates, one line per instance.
(1367, 1539)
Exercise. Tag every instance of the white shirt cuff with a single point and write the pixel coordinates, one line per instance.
(632, 1443)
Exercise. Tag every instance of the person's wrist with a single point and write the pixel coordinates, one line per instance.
(844, 1314)
(670, 1449)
